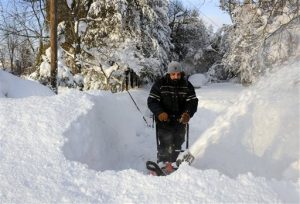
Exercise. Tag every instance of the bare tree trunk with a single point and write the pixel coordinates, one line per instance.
(12, 64)
(53, 43)
(12, 44)
(2, 58)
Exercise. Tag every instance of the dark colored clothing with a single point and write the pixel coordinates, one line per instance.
(171, 136)
(174, 98)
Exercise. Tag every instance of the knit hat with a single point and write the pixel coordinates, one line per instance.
(174, 67)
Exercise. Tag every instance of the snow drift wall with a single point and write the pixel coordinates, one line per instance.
(110, 136)
(259, 133)
(10, 87)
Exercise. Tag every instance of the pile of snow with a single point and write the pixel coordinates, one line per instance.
(259, 132)
(91, 148)
(198, 80)
(14, 87)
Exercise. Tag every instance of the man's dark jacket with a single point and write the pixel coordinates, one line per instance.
(172, 97)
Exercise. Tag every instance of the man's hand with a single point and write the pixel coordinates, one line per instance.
(185, 117)
(163, 117)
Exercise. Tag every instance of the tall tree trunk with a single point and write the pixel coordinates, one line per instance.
(53, 43)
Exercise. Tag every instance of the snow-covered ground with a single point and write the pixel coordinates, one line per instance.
(92, 147)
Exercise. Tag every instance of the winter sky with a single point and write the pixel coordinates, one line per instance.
(210, 12)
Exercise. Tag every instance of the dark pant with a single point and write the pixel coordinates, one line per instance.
(171, 136)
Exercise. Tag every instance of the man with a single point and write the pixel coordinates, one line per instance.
(173, 101)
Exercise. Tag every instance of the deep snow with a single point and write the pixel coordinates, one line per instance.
(91, 147)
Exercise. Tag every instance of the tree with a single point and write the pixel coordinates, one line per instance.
(12, 42)
(23, 20)
(3, 57)
(71, 18)
(136, 29)
(266, 36)
(179, 18)
(189, 36)
(94, 36)
(25, 56)
(53, 44)
(229, 6)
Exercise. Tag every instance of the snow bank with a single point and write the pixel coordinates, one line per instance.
(91, 148)
(14, 87)
(259, 133)
(110, 136)
(198, 80)
(37, 158)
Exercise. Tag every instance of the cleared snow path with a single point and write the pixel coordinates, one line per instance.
(111, 135)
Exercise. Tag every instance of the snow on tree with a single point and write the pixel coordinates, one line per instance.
(65, 77)
(264, 33)
(132, 34)
(190, 37)
(218, 47)
(127, 36)
(118, 35)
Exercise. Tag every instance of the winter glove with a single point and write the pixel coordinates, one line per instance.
(163, 117)
(185, 117)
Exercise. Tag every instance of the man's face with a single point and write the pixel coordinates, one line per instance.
(175, 75)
